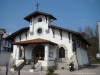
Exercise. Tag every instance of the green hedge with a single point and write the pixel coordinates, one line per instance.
(96, 61)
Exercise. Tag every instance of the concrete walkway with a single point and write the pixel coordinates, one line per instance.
(93, 70)
(4, 57)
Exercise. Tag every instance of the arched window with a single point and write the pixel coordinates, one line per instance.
(40, 20)
(61, 53)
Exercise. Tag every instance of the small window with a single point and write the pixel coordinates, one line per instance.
(39, 31)
(40, 20)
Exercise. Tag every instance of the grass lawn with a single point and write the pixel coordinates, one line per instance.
(96, 61)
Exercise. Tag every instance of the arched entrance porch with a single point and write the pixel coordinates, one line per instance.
(38, 53)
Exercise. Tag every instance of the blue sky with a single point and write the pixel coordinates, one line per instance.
(71, 14)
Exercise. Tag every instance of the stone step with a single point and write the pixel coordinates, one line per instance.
(26, 67)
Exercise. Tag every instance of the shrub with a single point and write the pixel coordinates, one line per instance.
(50, 71)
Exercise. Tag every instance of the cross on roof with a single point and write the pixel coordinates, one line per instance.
(37, 5)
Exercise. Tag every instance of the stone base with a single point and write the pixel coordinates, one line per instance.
(62, 66)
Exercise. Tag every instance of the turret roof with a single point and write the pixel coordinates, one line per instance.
(36, 13)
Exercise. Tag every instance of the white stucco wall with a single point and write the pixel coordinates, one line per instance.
(82, 56)
(15, 52)
(28, 52)
(52, 49)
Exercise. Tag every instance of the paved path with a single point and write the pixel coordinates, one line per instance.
(4, 57)
(93, 70)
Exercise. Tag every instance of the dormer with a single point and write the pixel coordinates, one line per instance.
(39, 19)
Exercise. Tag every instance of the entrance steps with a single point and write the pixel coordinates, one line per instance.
(29, 67)
(37, 67)
(26, 67)
(62, 66)
(62, 63)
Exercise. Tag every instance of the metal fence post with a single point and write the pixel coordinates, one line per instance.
(6, 68)
(18, 72)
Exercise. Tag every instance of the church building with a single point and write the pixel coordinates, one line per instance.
(46, 45)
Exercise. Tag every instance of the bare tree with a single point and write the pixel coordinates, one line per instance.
(89, 31)
(91, 34)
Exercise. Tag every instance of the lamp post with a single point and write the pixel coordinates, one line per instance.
(99, 34)
(98, 55)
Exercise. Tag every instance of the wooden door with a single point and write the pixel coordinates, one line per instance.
(36, 58)
(39, 53)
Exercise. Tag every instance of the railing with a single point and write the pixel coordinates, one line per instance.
(43, 68)
(38, 65)
(8, 70)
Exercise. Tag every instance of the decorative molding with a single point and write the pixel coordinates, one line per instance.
(47, 30)
(31, 29)
(26, 34)
(46, 18)
(60, 31)
(69, 36)
(62, 45)
(53, 32)
(20, 36)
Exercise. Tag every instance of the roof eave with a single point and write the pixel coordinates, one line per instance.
(34, 41)
(16, 32)
(36, 13)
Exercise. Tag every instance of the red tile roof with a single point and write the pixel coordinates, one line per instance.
(33, 41)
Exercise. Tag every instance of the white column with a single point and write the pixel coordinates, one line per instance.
(99, 34)
(17, 54)
(46, 52)
(46, 59)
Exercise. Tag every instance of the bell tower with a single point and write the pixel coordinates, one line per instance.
(39, 20)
